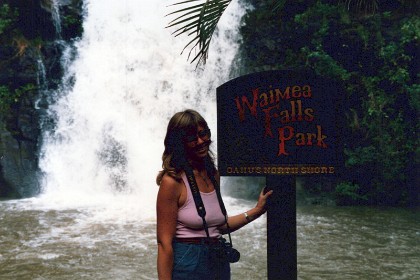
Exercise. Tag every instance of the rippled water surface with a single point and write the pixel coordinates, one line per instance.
(92, 243)
(358, 243)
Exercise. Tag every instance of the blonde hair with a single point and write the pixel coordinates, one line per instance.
(174, 158)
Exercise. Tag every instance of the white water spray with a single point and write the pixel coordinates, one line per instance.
(117, 97)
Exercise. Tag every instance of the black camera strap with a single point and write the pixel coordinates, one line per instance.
(199, 202)
(197, 197)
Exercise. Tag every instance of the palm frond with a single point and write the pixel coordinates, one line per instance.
(197, 18)
(279, 5)
(361, 6)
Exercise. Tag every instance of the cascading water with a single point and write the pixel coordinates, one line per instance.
(127, 79)
(55, 13)
(41, 74)
(41, 81)
(66, 49)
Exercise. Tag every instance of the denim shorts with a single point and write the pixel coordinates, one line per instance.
(193, 262)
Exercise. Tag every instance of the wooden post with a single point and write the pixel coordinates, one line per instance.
(281, 228)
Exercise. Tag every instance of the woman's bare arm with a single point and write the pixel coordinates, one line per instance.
(238, 221)
(167, 211)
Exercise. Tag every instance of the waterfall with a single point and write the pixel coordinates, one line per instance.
(55, 13)
(41, 78)
(119, 91)
(41, 81)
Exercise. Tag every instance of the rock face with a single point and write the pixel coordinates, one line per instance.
(18, 163)
(30, 53)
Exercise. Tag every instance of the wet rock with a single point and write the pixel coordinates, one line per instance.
(19, 128)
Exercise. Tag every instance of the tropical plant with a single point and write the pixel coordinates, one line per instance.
(200, 19)
(7, 17)
(374, 57)
(10, 97)
(366, 6)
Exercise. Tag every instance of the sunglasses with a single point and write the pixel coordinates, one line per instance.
(202, 134)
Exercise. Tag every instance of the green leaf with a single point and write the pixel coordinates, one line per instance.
(279, 5)
(198, 20)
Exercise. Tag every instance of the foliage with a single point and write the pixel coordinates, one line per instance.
(7, 17)
(5, 98)
(374, 55)
(364, 6)
(349, 193)
(8, 97)
(200, 21)
(72, 20)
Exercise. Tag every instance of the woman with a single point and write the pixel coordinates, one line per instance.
(183, 246)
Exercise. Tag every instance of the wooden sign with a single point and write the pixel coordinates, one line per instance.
(278, 123)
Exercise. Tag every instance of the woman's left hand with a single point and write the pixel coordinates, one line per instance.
(262, 201)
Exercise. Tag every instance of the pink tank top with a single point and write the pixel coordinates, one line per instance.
(190, 224)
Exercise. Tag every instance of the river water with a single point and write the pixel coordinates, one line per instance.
(117, 241)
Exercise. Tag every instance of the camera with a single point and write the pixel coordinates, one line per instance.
(232, 255)
(224, 252)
